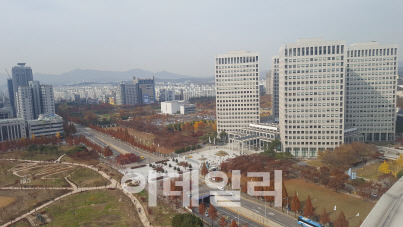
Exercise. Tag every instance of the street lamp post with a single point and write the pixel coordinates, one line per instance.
(287, 204)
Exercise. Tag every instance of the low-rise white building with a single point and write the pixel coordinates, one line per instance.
(45, 125)
(176, 107)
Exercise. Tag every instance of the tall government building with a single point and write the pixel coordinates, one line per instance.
(237, 90)
(330, 93)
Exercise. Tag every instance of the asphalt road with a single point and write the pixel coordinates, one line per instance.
(271, 214)
(104, 140)
(259, 208)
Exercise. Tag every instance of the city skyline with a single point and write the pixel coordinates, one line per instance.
(139, 35)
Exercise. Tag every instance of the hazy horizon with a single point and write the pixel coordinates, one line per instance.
(182, 37)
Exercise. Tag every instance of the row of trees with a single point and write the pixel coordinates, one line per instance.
(395, 167)
(23, 143)
(124, 136)
(188, 148)
(76, 140)
(309, 211)
(164, 138)
(127, 159)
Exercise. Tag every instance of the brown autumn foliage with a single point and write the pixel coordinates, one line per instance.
(348, 154)
(256, 163)
(308, 209)
(295, 204)
(341, 221)
(324, 217)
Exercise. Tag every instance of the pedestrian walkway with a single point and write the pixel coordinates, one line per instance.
(75, 189)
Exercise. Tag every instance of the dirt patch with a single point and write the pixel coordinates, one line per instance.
(5, 201)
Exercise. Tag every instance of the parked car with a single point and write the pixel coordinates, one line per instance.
(221, 188)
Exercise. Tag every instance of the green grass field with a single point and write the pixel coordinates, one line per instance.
(370, 171)
(84, 177)
(36, 155)
(94, 208)
(7, 178)
(326, 198)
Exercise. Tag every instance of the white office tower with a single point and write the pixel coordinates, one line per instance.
(36, 95)
(237, 90)
(24, 100)
(330, 94)
(47, 100)
(311, 97)
(275, 81)
(371, 80)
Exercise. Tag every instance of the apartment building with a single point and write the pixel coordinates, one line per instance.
(47, 99)
(237, 90)
(330, 94)
(269, 83)
(25, 103)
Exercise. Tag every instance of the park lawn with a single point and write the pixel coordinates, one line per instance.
(22, 223)
(110, 171)
(7, 178)
(316, 163)
(84, 177)
(326, 198)
(370, 171)
(68, 159)
(26, 200)
(161, 215)
(94, 208)
(36, 155)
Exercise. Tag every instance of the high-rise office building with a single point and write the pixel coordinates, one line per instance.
(371, 80)
(11, 96)
(21, 75)
(139, 91)
(275, 79)
(146, 92)
(237, 90)
(47, 100)
(36, 97)
(330, 94)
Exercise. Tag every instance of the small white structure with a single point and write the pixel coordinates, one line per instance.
(176, 107)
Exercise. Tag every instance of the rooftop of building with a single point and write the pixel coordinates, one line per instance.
(387, 211)
(47, 117)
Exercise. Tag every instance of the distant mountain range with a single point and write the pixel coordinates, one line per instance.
(89, 76)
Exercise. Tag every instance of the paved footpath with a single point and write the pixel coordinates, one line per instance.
(113, 184)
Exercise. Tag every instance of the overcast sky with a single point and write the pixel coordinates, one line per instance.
(178, 36)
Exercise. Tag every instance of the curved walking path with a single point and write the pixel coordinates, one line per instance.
(75, 189)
